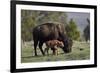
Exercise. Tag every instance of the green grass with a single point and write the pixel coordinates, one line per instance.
(80, 51)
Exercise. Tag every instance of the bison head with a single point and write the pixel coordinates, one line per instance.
(67, 45)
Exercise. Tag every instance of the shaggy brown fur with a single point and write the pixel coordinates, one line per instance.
(49, 31)
(54, 44)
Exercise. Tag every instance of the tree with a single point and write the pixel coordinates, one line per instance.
(27, 24)
(87, 31)
(72, 30)
(30, 19)
(47, 16)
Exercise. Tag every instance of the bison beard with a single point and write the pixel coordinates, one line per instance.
(50, 31)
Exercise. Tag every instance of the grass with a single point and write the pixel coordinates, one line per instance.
(80, 51)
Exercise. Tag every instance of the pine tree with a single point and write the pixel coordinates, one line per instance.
(72, 30)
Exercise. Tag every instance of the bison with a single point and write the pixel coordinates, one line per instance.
(50, 31)
(54, 44)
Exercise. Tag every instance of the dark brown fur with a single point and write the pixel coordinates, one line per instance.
(49, 31)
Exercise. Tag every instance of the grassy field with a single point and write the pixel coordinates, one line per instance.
(80, 51)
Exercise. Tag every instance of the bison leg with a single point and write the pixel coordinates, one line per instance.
(56, 52)
(35, 46)
(53, 51)
(47, 50)
(40, 46)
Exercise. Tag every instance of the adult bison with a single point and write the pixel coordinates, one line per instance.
(49, 31)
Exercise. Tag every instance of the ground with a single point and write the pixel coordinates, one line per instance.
(80, 51)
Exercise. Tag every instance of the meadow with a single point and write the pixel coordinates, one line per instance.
(80, 51)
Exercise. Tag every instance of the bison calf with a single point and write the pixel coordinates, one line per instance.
(53, 44)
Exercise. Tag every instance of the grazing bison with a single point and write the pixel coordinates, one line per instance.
(49, 31)
(54, 44)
